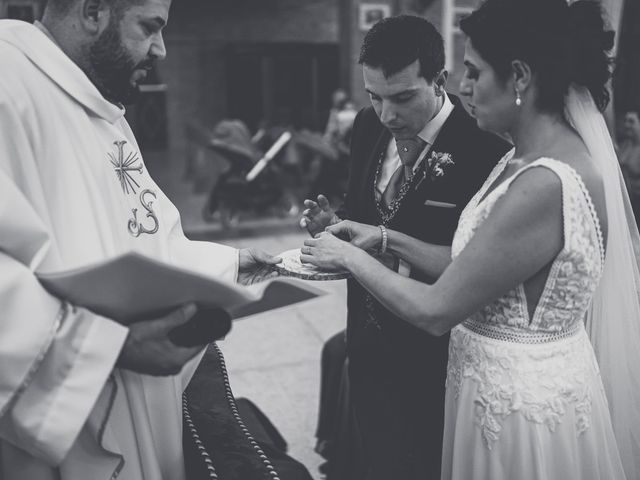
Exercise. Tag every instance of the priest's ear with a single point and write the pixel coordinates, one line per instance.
(440, 82)
(95, 15)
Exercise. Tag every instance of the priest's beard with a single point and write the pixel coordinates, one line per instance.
(112, 67)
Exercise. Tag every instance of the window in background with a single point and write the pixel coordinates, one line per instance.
(22, 12)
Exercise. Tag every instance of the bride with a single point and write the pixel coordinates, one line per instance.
(541, 295)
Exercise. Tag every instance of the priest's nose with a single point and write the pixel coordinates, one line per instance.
(157, 48)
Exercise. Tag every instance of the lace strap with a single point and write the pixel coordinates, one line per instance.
(592, 210)
(567, 172)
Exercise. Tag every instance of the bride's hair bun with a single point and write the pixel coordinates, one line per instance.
(589, 42)
(562, 44)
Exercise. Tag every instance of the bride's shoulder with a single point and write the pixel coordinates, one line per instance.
(532, 191)
(538, 179)
(580, 170)
(578, 166)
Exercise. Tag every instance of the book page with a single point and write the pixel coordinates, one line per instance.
(133, 286)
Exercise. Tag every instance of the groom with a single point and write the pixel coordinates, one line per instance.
(397, 372)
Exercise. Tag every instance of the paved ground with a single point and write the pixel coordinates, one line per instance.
(273, 358)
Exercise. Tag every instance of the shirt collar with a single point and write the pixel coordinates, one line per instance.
(36, 43)
(432, 128)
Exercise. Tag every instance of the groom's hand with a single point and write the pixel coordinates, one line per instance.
(318, 216)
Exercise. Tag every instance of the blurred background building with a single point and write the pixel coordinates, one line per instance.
(278, 61)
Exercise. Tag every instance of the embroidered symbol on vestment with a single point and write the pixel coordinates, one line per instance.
(124, 166)
(135, 228)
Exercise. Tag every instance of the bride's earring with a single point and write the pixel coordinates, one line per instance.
(518, 98)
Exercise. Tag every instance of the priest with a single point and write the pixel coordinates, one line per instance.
(82, 396)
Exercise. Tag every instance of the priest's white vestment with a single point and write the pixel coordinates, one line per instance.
(74, 190)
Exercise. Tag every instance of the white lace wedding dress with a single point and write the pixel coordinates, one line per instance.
(524, 395)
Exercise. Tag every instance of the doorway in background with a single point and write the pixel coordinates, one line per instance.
(288, 84)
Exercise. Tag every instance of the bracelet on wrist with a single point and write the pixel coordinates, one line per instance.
(383, 240)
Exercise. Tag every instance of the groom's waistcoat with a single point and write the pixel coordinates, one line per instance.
(429, 212)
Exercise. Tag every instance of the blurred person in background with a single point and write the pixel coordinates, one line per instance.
(340, 122)
(629, 155)
(332, 167)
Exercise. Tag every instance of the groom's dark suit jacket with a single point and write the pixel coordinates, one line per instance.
(397, 373)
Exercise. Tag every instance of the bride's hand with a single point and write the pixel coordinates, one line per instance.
(366, 237)
(326, 251)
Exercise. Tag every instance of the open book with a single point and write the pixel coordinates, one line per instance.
(132, 286)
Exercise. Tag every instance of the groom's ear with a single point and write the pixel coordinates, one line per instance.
(521, 73)
(440, 82)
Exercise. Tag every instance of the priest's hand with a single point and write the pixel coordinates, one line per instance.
(256, 266)
(149, 350)
(318, 215)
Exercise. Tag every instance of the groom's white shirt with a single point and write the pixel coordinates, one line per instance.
(74, 190)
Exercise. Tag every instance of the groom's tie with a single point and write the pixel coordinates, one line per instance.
(409, 150)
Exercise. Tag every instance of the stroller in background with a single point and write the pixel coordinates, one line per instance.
(253, 183)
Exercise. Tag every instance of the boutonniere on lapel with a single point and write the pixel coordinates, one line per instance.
(436, 166)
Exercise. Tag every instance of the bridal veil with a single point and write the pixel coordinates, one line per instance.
(613, 321)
